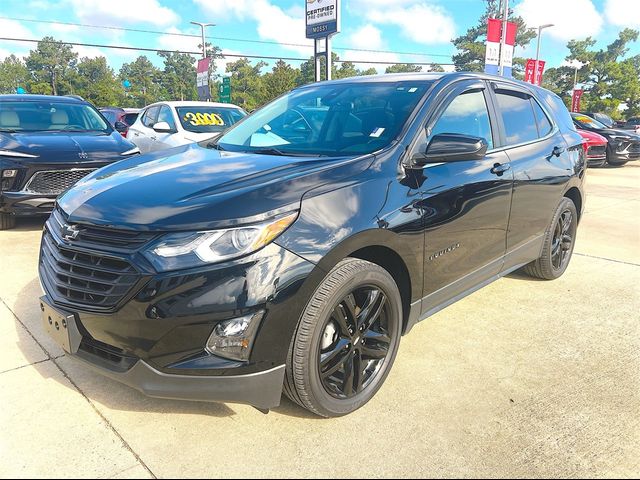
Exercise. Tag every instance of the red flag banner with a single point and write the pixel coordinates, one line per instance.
(528, 70)
(575, 100)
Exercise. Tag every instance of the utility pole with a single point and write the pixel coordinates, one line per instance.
(204, 41)
(535, 72)
(503, 37)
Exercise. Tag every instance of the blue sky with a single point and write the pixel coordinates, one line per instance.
(423, 28)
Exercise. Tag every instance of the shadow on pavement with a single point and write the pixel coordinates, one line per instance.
(108, 392)
(30, 224)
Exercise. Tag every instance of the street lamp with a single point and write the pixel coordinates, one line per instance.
(535, 72)
(204, 44)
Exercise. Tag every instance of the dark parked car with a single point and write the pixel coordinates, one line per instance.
(46, 145)
(622, 146)
(632, 124)
(603, 118)
(121, 118)
(298, 247)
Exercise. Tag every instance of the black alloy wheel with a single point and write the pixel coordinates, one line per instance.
(355, 342)
(346, 340)
(562, 240)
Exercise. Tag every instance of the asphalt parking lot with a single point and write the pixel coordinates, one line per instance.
(523, 378)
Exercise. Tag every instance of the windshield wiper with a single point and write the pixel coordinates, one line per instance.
(215, 145)
(270, 151)
(8, 130)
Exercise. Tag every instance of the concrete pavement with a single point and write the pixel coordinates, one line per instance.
(523, 378)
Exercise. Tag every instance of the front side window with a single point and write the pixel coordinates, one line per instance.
(165, 115)
(517, 115)
(467, 114)
(150, 116)
(332, 120)
(37, 116)
(208, 119)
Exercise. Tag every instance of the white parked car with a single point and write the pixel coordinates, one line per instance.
(171, 124)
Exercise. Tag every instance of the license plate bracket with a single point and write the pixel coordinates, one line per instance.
(61, 326)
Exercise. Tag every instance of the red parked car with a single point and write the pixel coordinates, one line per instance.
(595, 148)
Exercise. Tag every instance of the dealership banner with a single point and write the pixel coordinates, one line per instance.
(323, 18)
(529, 71)
(202, 79)
(507, 53)
(492, 54)
(575, 100)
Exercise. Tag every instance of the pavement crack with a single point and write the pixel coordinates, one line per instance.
(607, 259)
(54, 359)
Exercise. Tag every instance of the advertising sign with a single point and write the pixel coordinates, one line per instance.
(202, 79)
(323, 18)
(492, 55)
(529, 71)
(225, 90)
(575, 100)
(507, 53)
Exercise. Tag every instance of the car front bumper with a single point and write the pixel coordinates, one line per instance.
(26, 204)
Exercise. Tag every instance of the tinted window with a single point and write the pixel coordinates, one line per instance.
(467, 114)
(517, 115)
(110, 116)
(544, 125)
(332, 119)
(150, 116)
(32, 116)
(558, 109)
(165, 115)
(586, 122)
(130, 118)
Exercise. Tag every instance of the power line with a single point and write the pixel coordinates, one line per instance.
(245, 40)
(223, 54)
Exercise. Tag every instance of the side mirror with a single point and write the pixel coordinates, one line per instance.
(452, 147)
(162, 127)
(121, 127)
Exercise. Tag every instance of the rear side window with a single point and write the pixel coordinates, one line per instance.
(544, 125)
(517, 114)
(467, 114)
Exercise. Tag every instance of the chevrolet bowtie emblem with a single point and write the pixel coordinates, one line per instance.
(69, 232)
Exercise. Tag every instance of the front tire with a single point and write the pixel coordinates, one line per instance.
(559, 241)
(346, 340)
(7, 221)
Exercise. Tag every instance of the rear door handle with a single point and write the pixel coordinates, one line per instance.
(500, 168)
(557, 151)
(153, 138)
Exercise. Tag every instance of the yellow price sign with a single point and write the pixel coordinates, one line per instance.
(584, 118)
(203, 119)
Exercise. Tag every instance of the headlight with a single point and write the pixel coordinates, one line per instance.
(191, 249)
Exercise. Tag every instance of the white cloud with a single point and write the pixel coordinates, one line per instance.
(118, 12)
(13, 29)
(388, 58)
(274, 23)
(421, 22)
(368, 37)
(623, 13)
(182, 43)
(572, 19)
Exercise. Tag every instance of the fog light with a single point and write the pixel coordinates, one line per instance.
(9, 173)
(233, 338)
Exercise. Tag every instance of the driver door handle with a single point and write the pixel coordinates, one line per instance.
(557, 151)
(499, 168)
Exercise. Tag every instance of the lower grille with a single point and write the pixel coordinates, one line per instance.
(83, 278)
(55, 182)
(597, 152)
(115, 357)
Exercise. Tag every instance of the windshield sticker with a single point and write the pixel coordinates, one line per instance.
(413, 90)
(377, 132)
(584, 118)
(203, 119)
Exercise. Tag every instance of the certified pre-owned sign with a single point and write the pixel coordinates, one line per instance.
(322, 18)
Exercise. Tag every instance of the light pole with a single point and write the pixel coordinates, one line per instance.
(535, 72)
(204, 43)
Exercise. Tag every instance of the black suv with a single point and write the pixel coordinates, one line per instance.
(622, 145)
(47, 144)
(297, 248)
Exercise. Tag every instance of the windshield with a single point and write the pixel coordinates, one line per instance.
(587, 122)
(36, 116)
(332, 119)
(208, 119)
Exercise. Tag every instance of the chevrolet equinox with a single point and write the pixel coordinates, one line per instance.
(295, 250)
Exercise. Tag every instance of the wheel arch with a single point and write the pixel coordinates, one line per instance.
(575, 196)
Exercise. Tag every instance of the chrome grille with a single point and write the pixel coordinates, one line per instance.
(55, 182)
(81, 277)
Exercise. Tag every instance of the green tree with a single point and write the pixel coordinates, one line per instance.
(282, 78)
(52, 62)
(146, 85)
(13, 74)
(247, 85)
(368, 71)
(96, 82)
(307, 69)
(403, 68)
(471, 45)
(434, 67)
(179, 76)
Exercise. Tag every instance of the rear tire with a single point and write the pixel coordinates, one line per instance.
(7, 221)
(559, 241)
(346, 340)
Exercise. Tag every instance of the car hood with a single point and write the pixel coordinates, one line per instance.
(193, 188)
(65, 147)
(607, 132)
(199, 137)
